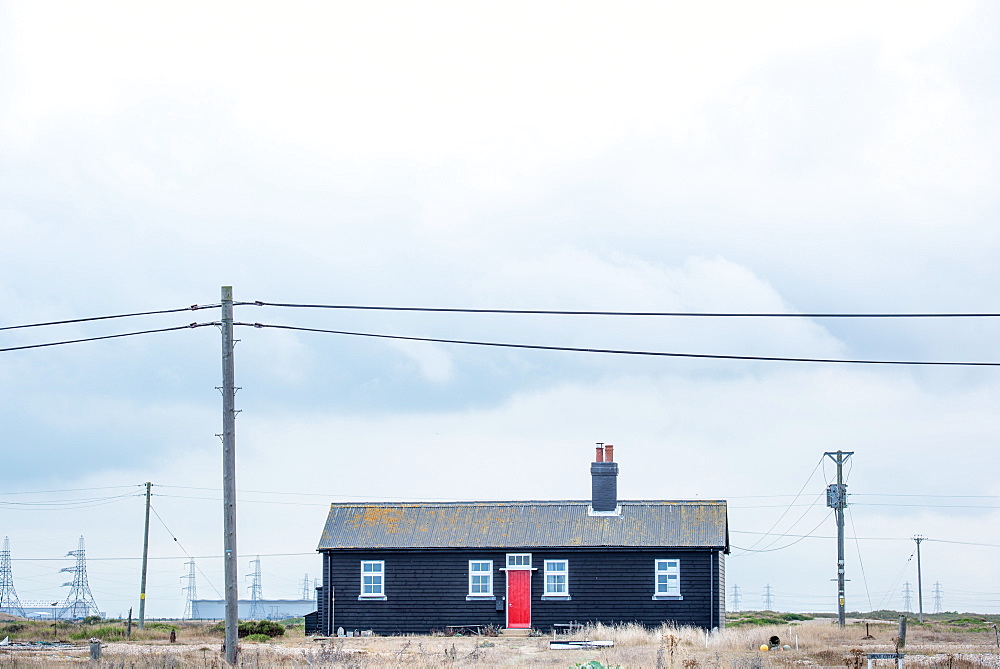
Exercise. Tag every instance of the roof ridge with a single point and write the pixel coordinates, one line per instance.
(546, 502)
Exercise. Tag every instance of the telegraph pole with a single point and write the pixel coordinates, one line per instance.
(920, 587)
(229, 475)
(836, 498)
(145, 557)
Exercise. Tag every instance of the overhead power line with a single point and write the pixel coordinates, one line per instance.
(767, 549)
(539, 347)
(933, 506)
(58, 505)
(327, 495)
(818, 536)
(963, 543)
(309, 494)
(193, 307)
(114, 336)
(39, 492)
(785, 513)
(247, 501)
(134, 558)
(563, 312)
(878, 494)
(184, 550)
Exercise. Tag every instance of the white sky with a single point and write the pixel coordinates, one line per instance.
(619, 156)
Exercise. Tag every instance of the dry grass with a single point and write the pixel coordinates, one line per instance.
(820, 644)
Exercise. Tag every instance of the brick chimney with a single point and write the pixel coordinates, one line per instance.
(604, 480)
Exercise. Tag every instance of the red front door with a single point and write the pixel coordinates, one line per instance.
(519, 598)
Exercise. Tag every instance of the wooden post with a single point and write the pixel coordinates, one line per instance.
(145, 557)
(229, 477)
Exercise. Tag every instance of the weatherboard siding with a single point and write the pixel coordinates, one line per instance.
(427, 589)
(720, 604)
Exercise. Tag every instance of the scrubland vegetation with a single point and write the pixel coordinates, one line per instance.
(946, 641)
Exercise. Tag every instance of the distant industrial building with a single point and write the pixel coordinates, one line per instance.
(43, 610)
(261, 609)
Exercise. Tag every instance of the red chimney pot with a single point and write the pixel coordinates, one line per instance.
(600, 453)
(609, 453)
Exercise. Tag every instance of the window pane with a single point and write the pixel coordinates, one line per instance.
(556, 577)
(667, 577)
(555, 583)
(480, 577)
(371, 577)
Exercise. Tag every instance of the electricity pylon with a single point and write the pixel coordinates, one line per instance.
(768, 601)
(256, 605)
(80, 601)
(190, 593)
(8, 597)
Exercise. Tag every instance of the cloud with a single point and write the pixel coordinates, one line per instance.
(433, 361)
(655, 157)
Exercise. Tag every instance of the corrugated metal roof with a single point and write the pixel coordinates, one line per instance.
(683, 524)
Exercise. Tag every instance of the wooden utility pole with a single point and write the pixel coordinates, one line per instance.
(836, 498)
(920, 584)
(229, 475)
(145, 557)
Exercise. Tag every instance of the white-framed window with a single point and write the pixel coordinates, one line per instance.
(668, 579)
(518, 560)
(480, 578)
(556, 578)
(372, 579)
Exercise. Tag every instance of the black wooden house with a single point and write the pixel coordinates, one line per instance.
(397, 567)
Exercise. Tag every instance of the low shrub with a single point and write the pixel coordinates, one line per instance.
(103, 633)
(757, 620)
(266, 627)
(259, 638)
(766, 618)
